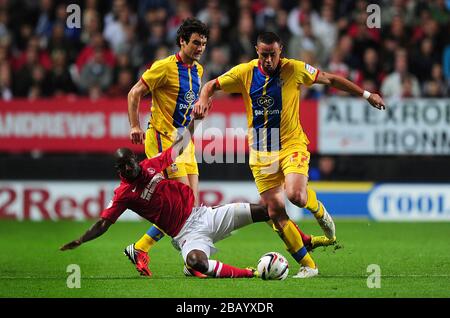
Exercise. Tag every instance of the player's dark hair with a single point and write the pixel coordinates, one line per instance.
(268, 38)
(190, 26)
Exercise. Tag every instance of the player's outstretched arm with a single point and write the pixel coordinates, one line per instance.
(137, 135)
(344, 84)
(96, 230)
(204, 103)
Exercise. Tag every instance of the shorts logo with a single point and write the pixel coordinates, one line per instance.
(311, 70)
(174, 167)
(265, 101)
(189, 97)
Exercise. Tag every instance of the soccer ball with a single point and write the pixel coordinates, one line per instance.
(273, 266)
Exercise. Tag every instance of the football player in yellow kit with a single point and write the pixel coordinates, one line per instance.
(174, 83)
(279, 159)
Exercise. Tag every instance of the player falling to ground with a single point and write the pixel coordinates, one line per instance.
(174, 83)
(170, 205)
(270, 87)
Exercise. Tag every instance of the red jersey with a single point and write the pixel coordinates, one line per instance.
(166, 203)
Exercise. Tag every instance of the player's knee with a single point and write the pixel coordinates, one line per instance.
(297, 197)
(198, 261)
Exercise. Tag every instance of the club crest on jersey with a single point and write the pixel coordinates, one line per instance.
(151, 170)
(189, 97)
(174, 167)
(310, 69)
(265, 101)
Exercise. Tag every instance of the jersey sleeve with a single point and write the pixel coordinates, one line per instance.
(161, 161)
(155, 76)
(114, 209)
(231, 81)
(304, 73)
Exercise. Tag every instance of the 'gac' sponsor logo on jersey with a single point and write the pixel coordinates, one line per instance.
(184, 106)
(189, 97)
(265, 101)
(268, 112)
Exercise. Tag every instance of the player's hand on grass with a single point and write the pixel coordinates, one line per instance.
(376, 101)
(137, 135)
(70, 246)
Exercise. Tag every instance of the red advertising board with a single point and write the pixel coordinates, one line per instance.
(81, 125)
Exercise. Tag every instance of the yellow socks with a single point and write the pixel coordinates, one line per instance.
(313, 205)
(149, 239)
(291, 236)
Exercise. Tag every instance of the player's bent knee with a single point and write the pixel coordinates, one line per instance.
(299, 198)
(197, 260)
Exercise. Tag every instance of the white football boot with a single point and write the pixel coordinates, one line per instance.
(327, 224)
(306, 272)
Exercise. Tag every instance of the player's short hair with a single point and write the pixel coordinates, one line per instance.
(268, 38)
(190, 26)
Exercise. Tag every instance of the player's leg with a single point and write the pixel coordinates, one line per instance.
(302, 196)
(199, 261)
(295, 166)
(287, 229)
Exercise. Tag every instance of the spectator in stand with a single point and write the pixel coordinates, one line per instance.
(157, 38)
(391, 9)
(216, 40)
(96, 73)
(440, 12)
(60, 78)
(307, 42)
(392, 84)
(266, 18)
(326, 30)
(44, 23)
(40, 84)
(297, 14)
(125, 81)
(33, 48)
(213, 14)
(423, 59)
(58, 41)
(345, 46)
(371, 70)
(5, 82)
(115, 31)
(97, 43)
(242, 42)
(436, 86)
(91, 26)
(217, 65)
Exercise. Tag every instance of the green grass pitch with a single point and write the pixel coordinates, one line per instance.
(414, 259)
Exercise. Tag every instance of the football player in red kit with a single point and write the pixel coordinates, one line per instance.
(169, 204)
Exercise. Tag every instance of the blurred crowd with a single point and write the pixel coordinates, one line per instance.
(41, 56)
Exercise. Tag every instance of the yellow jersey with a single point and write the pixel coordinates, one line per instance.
(271, 102)
(175, 87)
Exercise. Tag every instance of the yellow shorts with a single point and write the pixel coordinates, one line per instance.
(270, 169)
(184, 164)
